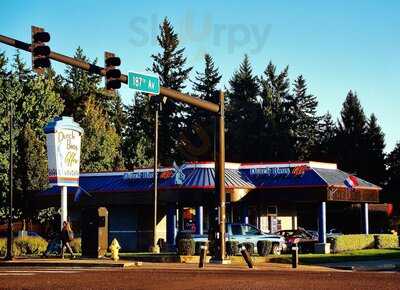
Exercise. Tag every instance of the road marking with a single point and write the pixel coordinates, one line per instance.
(16, 274)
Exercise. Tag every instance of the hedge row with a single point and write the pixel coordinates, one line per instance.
(25, 246)
(33, 246)
(358, 242)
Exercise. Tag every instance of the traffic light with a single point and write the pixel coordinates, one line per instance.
(113, 74)
(40, 51)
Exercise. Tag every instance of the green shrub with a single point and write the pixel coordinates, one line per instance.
(186, 247)
(3, 247)
(30, 246)
(232, 248)
(198, 247)
(386, 241)
(76, 245)
(249, 247)
(264, 248)
(352, 242)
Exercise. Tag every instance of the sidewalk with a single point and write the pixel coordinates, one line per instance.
(108, 263)
(58, 262)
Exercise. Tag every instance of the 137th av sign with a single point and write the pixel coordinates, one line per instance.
(144, 83)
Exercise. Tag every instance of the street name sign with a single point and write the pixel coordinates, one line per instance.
(144, 83)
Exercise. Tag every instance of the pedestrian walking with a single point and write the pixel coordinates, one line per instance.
(67, 235)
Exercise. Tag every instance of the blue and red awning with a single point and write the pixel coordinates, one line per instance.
(202, 176)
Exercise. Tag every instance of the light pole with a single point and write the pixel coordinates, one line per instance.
(10, 239)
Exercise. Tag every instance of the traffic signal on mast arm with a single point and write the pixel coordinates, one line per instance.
(40, 51)
(113, 74)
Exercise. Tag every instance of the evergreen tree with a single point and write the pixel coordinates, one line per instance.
(33, 168)
(304, 122)
(205, 87)
(374, 171)
(100, 142)
(35, 102)
(170, 65)
(325, 146)
(243, 115)
(351, 136)
(78, 86)
(137, 142)
(277, 135)
(392, 190)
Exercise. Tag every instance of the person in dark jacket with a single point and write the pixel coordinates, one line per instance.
(67, 235)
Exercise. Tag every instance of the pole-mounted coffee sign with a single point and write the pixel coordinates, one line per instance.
(63, 154)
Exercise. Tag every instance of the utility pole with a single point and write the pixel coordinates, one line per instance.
(217, 109)
(10, 239)
(155, 248)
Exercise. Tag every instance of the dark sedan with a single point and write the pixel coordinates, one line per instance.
(304, 240)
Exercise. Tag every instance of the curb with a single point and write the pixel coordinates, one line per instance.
(70, 264)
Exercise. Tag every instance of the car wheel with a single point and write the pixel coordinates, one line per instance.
(276, 249)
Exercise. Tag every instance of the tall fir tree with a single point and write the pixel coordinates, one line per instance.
(78, 86)
(392, 188)
(375, 170)
(201, 143)
(276, 135)
(138, 141)
(170, 65)
(351, 136)
(325, 147)
(244, 115)
(304, 120)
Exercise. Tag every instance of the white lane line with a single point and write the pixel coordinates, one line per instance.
(17, 274)
(38, 272)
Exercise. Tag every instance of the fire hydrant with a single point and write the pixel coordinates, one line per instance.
(114, 248)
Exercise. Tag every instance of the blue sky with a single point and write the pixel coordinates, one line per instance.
(337, 46)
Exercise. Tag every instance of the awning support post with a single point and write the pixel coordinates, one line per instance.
(365, 218)
(199, 220)
(322, 223)
(171, 225)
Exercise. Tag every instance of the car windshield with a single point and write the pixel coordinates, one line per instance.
(249, 230)
(237, 230)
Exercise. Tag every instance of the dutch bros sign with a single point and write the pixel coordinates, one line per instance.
(63, 151)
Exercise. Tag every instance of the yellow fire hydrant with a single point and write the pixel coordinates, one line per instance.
(114, 248)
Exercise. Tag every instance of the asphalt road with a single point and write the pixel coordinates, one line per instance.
(191, 278)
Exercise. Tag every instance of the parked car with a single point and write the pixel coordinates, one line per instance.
(304, 239)
(245, 233)
(333, 233)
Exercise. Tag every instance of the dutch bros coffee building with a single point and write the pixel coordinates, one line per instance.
(272, 196)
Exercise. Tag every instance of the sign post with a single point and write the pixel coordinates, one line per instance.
(63, 154)
(150, 84)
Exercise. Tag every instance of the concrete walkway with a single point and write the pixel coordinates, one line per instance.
(108, 263)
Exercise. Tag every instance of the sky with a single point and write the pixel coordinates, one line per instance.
(336, 46)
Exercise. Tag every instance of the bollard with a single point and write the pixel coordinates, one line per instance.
(295, 256)
(203, 254)
(247, 257)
